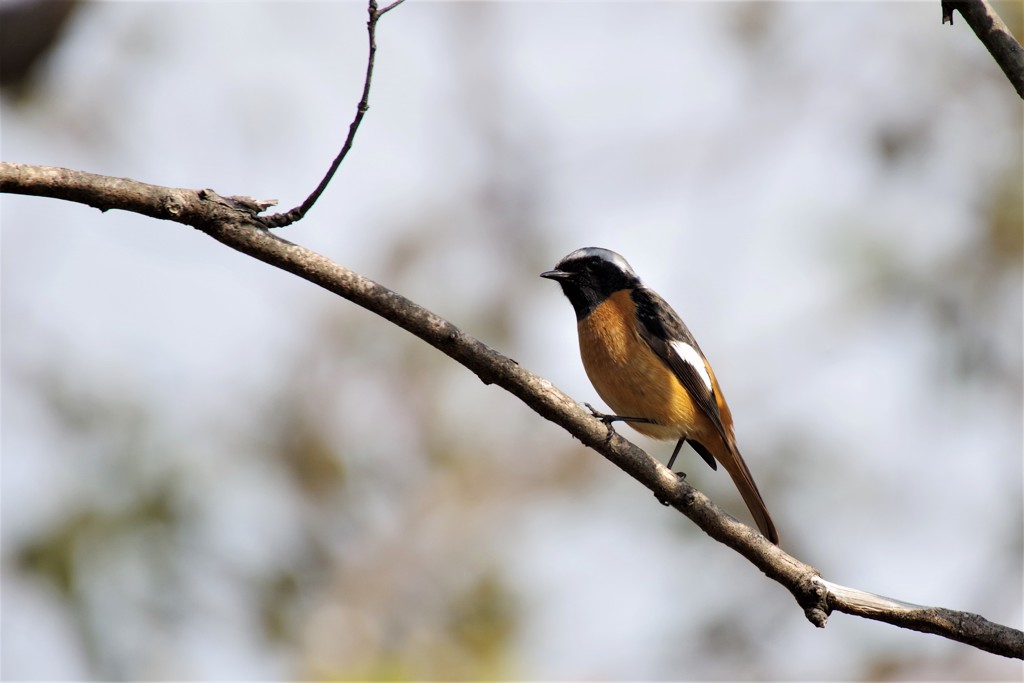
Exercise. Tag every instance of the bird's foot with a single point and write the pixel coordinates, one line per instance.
(609, 419)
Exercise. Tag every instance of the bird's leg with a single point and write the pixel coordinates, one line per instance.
(671, 461)
(609, 419)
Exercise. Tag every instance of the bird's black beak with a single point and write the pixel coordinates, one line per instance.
(556, 275)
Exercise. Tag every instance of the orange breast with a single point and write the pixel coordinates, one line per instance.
(630, 377)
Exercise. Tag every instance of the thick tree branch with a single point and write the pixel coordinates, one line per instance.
(994, 34)
(233, 221)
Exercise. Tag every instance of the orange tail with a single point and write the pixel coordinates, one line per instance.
(737, 469)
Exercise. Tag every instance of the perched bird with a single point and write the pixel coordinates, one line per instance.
(647, 367)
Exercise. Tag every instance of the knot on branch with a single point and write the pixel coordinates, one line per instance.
(238, 202)
(812, 595)
(172, 206)
(689, 497)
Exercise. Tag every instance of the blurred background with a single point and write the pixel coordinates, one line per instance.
(213, 470)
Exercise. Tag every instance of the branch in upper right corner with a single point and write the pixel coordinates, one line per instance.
(994, 34)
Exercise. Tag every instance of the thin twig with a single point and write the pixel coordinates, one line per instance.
(994, 34)
(280, 220)
(390, 7)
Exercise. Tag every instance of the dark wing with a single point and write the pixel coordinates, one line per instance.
(669, 338)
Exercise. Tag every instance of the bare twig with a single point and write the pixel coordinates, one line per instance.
(280, 220)
(231, 221)
(994, 34)
(390, 7)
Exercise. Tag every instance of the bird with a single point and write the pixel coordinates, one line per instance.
(646, 365)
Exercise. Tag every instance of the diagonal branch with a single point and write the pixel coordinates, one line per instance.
(994, 34)
(232, 221)
(280, 220)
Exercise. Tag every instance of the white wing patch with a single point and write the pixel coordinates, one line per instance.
(693, 357)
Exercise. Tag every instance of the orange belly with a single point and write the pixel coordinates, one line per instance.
(631, 378)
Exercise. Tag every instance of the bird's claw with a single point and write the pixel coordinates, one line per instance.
(603, 417)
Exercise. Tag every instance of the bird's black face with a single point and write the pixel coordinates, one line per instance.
(590, 275)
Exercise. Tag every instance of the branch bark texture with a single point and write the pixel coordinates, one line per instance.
(234, 222)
